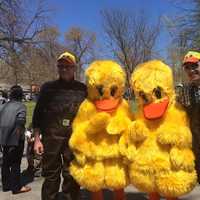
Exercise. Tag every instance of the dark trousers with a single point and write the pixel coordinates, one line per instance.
(56, 160)
(196, 150)
(10, 172)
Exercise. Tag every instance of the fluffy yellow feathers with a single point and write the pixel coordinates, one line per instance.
(163, 162)
(102, 119)
(153, 151)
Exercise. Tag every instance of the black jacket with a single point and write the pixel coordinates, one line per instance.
(57, 105)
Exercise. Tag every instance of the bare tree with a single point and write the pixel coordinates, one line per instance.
(50, 48)
(40, 59)
(82, 43)
(131, 38)
(184, 30)
(186, 22)
(19, 26)
(188, 29)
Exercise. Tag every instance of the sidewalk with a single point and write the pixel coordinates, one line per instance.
(131, 192)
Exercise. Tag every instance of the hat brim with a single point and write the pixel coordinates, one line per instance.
(190, 60)
(68, 60)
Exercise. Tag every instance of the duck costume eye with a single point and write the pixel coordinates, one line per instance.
(100, 89)
(157, 92)
(113, 90)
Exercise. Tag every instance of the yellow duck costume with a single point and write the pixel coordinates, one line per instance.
(100, 121)
(163, 163)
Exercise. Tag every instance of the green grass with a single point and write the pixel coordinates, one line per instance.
(30, 108)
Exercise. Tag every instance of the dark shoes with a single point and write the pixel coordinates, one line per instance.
(23, 190)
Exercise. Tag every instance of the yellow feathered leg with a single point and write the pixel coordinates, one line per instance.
(119, 194)
(97, 195)
(154, 196)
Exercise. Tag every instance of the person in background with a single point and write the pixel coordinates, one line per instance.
(33, 159)
(57, 105)
(12, 127)
(3, 97)
(191, 100)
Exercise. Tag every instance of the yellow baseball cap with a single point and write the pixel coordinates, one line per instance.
(68, 57)
(191, 57)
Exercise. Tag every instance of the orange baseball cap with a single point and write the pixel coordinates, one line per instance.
(191, 57)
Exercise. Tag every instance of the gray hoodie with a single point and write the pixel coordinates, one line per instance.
(12, 117)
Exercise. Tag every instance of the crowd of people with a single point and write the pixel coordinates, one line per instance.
(51, 128)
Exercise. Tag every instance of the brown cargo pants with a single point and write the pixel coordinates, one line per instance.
(56, 160)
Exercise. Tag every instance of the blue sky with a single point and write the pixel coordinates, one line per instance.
(86, 14)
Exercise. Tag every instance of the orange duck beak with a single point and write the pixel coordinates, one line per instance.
(155, 110)
(107, 105)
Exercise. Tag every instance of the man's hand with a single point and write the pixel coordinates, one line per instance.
(38, 146)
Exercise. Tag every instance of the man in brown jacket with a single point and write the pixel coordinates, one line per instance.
(191, 66)
(55, 110)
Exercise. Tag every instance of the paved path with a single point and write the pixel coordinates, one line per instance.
(131, 192)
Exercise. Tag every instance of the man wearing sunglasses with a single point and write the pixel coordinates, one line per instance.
(191, 66)
(55, 110)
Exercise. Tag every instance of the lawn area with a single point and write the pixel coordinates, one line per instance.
(30, 107)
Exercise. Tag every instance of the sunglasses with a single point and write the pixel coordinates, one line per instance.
(191, 66)
(62, 66)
